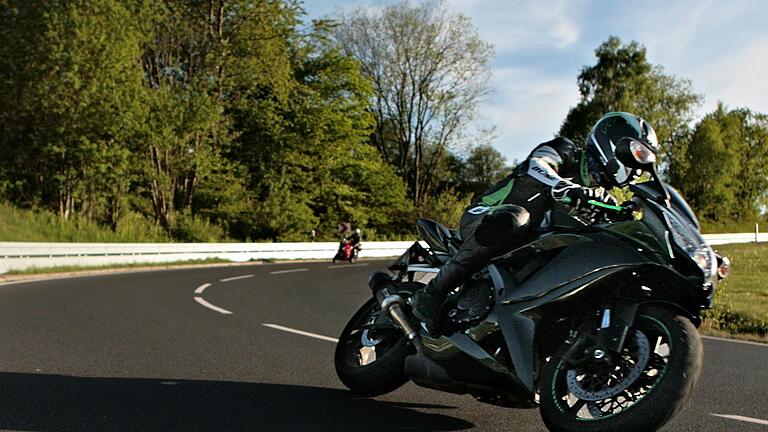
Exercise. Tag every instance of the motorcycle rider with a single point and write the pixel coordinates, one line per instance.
(355, 238)
(556, 172)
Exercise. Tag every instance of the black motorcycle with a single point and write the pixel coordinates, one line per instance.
(593, 321)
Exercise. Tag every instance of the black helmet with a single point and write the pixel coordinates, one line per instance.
(605, 168)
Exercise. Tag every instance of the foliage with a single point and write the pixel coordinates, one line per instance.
(45, 226)
(193, 114)
(741, 302)
(725, 148)
(69, 96)
(446, 208)
(429, 69)
(624, 80)
(215, 120)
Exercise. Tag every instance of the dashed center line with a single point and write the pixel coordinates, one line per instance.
(212, 307)
(301, 332)
(290, 271)
(742, 418)
(201, 288)
(236, 278)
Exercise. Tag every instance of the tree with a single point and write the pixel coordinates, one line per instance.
(722, 169)
(70, 98)
(304, 138)
(429, 69)
(624, 80)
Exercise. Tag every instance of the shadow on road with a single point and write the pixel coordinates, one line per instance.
(39, 402)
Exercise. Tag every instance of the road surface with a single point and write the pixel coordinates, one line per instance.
(250, 348)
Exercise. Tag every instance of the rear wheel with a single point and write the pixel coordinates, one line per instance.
(640, 391)
(369, 361)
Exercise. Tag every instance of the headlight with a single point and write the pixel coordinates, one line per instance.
(693, 244)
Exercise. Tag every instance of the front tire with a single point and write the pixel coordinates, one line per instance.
(663, 358)
(369, 374)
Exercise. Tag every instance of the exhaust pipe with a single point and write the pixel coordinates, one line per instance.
(386, 293)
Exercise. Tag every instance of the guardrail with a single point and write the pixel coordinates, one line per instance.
(718, 239)
(22, 255)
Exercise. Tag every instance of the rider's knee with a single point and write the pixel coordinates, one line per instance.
(506, 224)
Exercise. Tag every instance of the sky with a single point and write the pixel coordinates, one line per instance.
(541, 45)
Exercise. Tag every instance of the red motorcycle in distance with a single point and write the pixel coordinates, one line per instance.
(348, 251)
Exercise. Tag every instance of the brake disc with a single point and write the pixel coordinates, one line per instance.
(641, 354)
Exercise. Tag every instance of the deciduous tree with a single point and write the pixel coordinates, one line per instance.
(429, 69)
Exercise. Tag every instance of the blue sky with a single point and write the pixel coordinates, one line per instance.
(720, 45)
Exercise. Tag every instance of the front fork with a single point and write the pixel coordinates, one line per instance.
(608, 341)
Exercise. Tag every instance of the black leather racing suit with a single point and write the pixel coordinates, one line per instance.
(506, 215)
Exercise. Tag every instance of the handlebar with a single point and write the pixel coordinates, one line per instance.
(608, 206)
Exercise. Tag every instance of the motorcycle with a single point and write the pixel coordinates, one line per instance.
(347, 251)
(594, 321)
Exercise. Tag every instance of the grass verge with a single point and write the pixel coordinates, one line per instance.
(741, 302)
(72, 269)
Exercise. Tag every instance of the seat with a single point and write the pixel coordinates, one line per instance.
(438, 236)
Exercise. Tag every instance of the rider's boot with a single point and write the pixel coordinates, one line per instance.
(429, 302)
(496, 234)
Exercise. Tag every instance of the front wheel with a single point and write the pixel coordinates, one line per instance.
(370, 359)
(640, 391)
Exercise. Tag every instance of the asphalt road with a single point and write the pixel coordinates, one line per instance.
(157, 351)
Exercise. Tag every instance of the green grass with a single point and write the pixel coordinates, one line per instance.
(69, 269)
(741, 302)
(710, 227)
(43, 226)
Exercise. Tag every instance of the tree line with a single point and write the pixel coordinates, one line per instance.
(236, 119)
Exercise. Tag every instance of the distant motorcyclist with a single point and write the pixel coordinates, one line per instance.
(349, 247)
(556, 173)
(355, 237)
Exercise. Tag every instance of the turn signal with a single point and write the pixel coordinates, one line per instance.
(723, 267)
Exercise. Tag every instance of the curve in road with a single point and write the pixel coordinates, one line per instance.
(132, 351)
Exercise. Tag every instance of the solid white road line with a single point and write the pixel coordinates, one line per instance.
(736, 341)
(212, 307)
(348, 265)
(300, 332)
(236, 278)
(742, 418)
(290, 271)
(201, 288)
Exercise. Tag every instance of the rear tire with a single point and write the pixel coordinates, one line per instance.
(386, 372)
(664, 394)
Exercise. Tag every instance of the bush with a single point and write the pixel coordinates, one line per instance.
(189, 229)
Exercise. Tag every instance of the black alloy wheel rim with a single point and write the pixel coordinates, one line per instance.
(600, 393)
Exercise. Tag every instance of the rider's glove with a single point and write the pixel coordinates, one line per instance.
(607, 198)
(575, 195)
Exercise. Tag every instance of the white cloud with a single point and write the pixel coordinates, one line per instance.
(527, 108)
(512, 25)
(738, 79)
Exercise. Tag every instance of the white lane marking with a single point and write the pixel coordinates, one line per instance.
(212, 307)
(348, 265)
(290, 271)
(201, 288)
(236, 278)
(301, 332)
(742, 418)
(736, 341)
